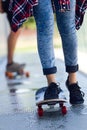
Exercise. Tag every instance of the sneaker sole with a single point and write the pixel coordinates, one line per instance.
(77, 103)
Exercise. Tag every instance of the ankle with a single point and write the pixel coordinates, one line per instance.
(51, 79)
(72, 79)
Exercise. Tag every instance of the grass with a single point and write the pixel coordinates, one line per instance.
(26, 49)
(30, 23)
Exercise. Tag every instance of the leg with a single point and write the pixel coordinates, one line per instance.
(44, 20)
(43, 14)
(66, 26)
(12, 40)
(11, 43)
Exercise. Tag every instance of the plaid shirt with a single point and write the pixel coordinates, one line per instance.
(81, 6)
(22, 9)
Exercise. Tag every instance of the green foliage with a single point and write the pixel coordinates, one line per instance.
(29, 23)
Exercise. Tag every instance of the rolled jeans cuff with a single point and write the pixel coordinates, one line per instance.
(47, 71)
(72, 69)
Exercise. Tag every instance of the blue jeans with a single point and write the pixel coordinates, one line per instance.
(44, 18)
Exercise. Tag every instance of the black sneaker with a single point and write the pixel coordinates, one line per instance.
(76, 95)
(52, 91)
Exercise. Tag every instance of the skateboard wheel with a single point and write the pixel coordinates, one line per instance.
(64, 110)
(9, 75)
(27, 74)
(40, 112)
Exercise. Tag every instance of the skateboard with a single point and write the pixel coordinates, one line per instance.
(39, 96)
(20, 72)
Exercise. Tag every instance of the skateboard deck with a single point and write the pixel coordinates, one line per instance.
(51, 103)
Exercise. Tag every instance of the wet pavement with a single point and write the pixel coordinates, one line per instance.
(17, 99)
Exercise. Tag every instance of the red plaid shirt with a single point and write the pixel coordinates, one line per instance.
(81, 6)
(22, 9)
